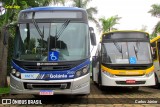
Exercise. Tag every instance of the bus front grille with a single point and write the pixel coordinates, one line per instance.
(53, 86)
(130, 75)
(47, 68)
(129, 67)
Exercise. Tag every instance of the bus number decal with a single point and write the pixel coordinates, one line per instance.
(70, 72)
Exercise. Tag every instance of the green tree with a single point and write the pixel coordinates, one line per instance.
(6, 19)
(109, 23)
(155, 11)
(91, 10)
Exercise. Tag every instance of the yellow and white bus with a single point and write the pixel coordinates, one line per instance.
(123, 58)
(155, 43)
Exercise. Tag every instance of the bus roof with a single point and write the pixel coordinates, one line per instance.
(47, 14)
(154, 39)
(124, 31)
(51, 8)
(121, 31)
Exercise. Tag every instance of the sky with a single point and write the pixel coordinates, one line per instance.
(134, 14)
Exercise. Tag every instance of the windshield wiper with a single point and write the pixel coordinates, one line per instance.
(136, 49)
(118, 48)
(39, 31)
(37, 27)
(63, 27)
(57, 35)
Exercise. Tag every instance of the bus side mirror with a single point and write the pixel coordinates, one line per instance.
(92, 36)
(154, 53)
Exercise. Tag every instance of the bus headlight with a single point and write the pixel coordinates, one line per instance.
(18, 74)
(85, 70)
(108, 74)
(78, 73)
(82, 72)
(149, 74)
(13, 71)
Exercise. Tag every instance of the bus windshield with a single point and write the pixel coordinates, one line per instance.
(126, 53)
(67, 38)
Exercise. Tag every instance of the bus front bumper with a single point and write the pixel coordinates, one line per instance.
(79, 85)
(122, 80)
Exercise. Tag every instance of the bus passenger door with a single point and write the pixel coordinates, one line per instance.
(156, 60)
(157, 65)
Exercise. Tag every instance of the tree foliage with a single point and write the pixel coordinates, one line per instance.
(91, 10)
(109, 23)
(155, 11)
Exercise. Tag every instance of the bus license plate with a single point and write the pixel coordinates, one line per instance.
(130, 81)
(46, 92)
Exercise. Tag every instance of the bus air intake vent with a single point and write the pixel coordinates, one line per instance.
(54, 86)
(47, 68)
(129, 67)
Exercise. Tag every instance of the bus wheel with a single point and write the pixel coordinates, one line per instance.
(157, 83)
(135, 88)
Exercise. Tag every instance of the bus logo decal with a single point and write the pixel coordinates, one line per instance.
(30, 75)
(53, 56)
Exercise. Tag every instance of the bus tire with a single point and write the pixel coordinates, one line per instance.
(157, 85)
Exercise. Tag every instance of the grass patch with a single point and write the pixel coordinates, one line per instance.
(4, 90)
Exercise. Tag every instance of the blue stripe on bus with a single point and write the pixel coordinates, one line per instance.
(56, 75)
(52, 8)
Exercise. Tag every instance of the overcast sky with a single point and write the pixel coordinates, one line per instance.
(134, 13)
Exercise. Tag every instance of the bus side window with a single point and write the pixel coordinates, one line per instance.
(154, 50)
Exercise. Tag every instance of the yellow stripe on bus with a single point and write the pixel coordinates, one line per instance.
(127, 72)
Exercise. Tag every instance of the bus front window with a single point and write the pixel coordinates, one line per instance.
(71, 42)
(122, 52)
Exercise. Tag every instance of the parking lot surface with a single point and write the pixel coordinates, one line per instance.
(106, 97)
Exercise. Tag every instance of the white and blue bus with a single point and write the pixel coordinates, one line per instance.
(52, 52)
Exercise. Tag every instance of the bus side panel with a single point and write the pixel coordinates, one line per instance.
(95, 72)
(157, 69)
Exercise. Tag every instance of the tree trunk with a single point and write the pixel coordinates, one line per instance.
(3, 58)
